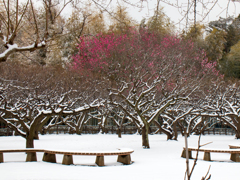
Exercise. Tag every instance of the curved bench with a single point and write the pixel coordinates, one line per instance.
(235, 153)
(234, 146)
(30, 151)
(50, 155)
(123, 156)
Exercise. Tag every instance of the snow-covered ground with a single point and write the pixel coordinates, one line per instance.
(163, 161)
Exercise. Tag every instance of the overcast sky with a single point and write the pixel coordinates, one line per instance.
(219, 9)
(214, 10)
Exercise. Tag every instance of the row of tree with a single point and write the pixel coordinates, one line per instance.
(141, 78)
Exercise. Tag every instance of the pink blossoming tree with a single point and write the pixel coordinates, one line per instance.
(144, 73)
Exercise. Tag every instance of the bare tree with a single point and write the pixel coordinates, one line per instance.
(36, 97)
(20, 29)
(223, 103)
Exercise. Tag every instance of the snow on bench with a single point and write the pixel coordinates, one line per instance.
(50, 155)
(235, 153)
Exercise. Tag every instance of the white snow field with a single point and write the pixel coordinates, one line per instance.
(161, 162)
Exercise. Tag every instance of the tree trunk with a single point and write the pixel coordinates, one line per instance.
(169, 135)
(78, 132)
(237, 134)
(43, 131)
(103, 130)
(237, 129)
(145, 140)
(181, 128)
(175, 132)
(81, 129)
(29, 142)
(36, 137)
(31, 156)
(119, 132)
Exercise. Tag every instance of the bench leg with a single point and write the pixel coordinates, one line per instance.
(31, 156)
(100, 160)
(207, 156)
(235, 157)
(1, 157)
(67, 159)
(125, 159)
(184, 154)
(49, 157)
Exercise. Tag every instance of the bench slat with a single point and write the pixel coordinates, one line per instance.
(215, 150)
(20, 150)
(89, 153)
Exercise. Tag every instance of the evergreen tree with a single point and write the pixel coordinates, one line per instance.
(215, 42)
(160, 23)
(121, 22)
(231, 63)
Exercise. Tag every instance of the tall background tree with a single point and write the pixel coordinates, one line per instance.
(121, 21)
(222, 42)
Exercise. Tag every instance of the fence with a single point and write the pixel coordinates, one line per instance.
(6, 132)
(220, 131)
(62, 129)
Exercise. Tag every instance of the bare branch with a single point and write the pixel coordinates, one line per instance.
(35, 22)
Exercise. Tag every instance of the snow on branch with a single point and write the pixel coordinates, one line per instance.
(14, 48)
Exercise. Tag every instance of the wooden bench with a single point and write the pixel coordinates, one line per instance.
(123, 156)
(50, 155)
(235, 153)
(234, 146)
(30, 151)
